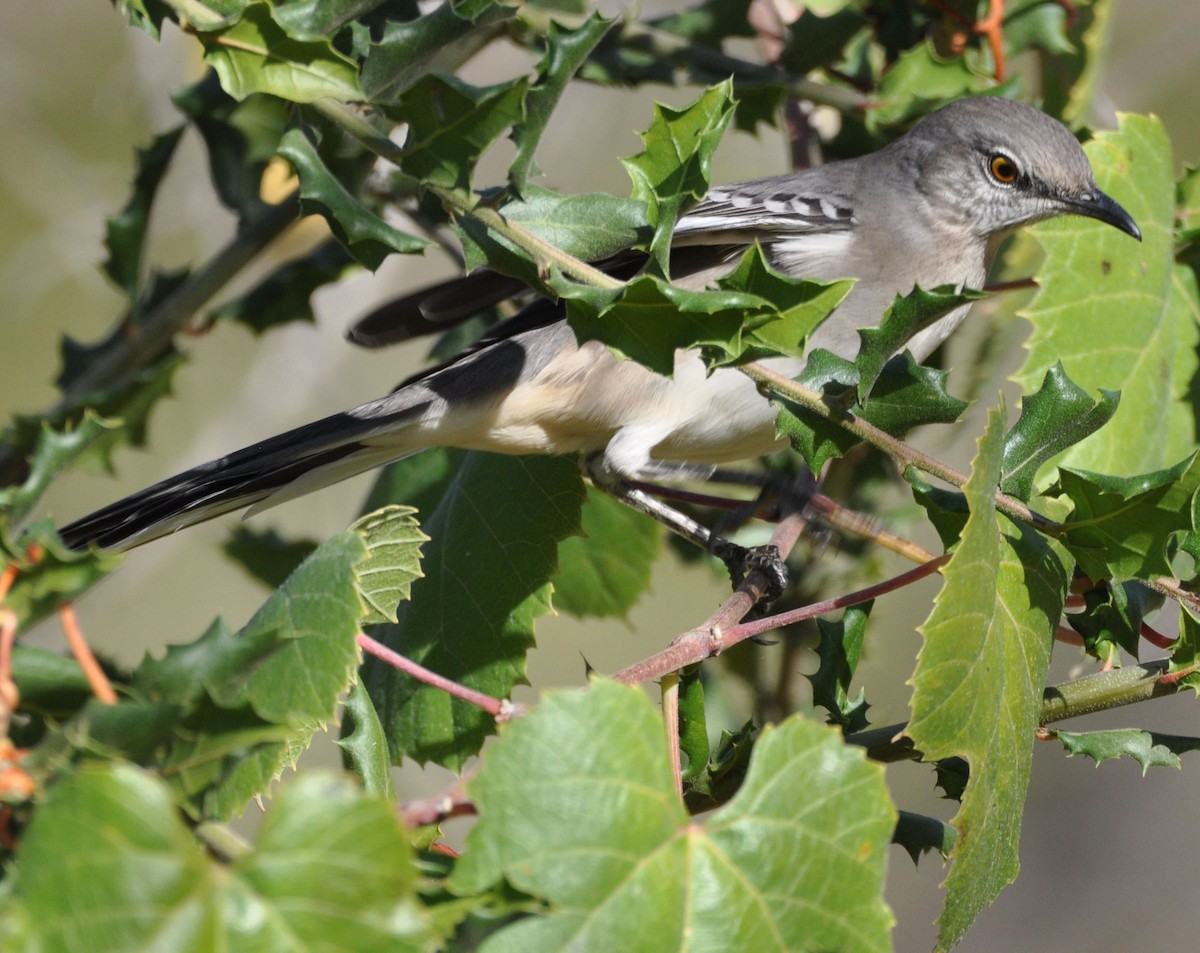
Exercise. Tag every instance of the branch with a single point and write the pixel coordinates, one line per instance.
(898, 450)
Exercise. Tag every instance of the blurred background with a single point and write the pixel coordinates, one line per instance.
(1108, 857)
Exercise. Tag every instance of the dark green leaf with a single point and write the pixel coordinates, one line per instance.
(565, 52)
(693, 725)
(839, 651)
(1121, 527)
(919, 834)
(451, 124)
(265, 555)
(254, 54)
(1112, 618)
(1059, 415)
(495, 523)
(606, 569)
(675, 167)
(366, 236)
(1148, 748)
(365, 751)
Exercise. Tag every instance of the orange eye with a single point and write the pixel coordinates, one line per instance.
(1003, 169)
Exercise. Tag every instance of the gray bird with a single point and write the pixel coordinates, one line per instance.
(930, 209)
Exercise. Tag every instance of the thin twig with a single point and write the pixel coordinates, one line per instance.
(499, 708)
(100, 685)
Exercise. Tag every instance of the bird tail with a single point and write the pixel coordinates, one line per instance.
(258, 476)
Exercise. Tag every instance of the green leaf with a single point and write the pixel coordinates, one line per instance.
(1112, 618)
(364, 745)
(441, 40)
(1148, 748)
(285, 295)
(265, 555)
(451, 124)
(393, 539)
(799, 306)
(641, 876)
(566, 50)
(125, 234)
(907, 315)
(1058, 416)
(329, 862)
(1118, 314)
(48, 574)
(606, 569)
(495, 523)
(591, 227)
(364, 234)
(920, 81)
(249, 701)
(255, 54)
(977, 687)
(1121, 527)
(54, 452)
(1073, 81)
(650, 319)
(839, 651)
(675, 167)
(919, 834)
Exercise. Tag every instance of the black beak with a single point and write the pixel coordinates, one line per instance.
(1095, 204)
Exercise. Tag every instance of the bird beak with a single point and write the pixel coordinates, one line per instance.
(1095, 204)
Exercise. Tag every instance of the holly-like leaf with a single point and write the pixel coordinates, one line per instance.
(329, 861)
(1058, 416)
(639, 875)
(907, 315)
(125, 234)
(1121, 527)
(919, 81)
(839, 651)
(606, 568)
(566, 50)
(1119, 315)
(494, 524)
(1148, 748)
(451, 124)
(255, 54)
(439, 41)
(675, 167)
(977, 687)
(364, 234)
(285, 295)
(1112, 618)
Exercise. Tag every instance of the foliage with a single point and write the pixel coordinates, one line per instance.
(1087, 503)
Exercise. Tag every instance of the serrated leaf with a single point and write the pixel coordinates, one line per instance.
(494, 524)
(393, 538)
(566, 50)
(1058, 416)
(328, 861)
(1112, 617)
(1121, 527)
(1148, 748)
(675, 167)
(639, 876)
(907, 315)
(364, 234)
(977, 687)
(441, 40)
(451, 124)
(265, 555)
(125, 234)
(365, 751)
(919, 81)
(1120, 315)
(919, 834)
(48, 573)
(254, 54)
(650, 319)
(604, 571)
(839, 651)
(54, 452)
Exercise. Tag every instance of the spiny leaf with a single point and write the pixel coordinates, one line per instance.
(1148, 748)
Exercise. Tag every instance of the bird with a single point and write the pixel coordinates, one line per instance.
(929, 209)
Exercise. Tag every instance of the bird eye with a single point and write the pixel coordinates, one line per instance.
(1003, 169)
